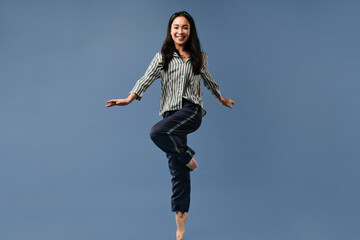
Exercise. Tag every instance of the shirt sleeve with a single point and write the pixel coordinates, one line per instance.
(209, 82)
(152, 73)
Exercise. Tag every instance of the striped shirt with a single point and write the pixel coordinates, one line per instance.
(177, 82)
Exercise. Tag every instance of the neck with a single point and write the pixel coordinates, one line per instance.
(180, 48)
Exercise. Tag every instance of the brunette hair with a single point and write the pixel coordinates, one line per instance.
(192, 45)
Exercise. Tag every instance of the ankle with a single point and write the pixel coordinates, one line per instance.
(180, 214)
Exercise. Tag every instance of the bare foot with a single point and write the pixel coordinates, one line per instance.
(192, 164)
(180, 218)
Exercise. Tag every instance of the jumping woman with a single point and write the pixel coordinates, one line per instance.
(180, 65)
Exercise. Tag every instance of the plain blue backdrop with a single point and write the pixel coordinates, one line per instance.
(282, 164)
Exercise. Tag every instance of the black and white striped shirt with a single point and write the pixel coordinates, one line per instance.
(177, 82)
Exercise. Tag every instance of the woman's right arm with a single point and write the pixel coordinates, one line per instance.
(122, 102)
(152, 73)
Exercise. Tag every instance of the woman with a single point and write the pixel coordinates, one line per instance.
(180, 65)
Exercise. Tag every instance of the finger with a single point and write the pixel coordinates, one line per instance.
(227, 105)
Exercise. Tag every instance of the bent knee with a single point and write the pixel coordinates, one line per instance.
(154, 133)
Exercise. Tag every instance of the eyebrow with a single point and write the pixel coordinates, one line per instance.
(183, 25)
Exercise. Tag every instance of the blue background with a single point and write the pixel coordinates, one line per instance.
(282, 164)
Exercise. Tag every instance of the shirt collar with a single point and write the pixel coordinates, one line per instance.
(177, 55)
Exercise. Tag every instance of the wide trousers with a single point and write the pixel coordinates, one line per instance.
(170, 135)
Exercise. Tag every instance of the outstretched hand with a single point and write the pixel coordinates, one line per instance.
(122, 102)
(119, 102)
(226, 102)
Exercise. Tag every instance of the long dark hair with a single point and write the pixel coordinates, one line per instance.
(192, 45)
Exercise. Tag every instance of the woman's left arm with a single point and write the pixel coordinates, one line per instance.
(226, 101)
(210, 83)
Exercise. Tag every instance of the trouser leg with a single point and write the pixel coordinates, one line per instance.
(169, 134)
(180, 199)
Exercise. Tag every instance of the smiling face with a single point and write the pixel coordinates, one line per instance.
(180, 31)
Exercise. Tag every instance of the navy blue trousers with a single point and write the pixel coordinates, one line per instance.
(170, 135)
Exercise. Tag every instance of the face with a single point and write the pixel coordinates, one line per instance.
(180, 30)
